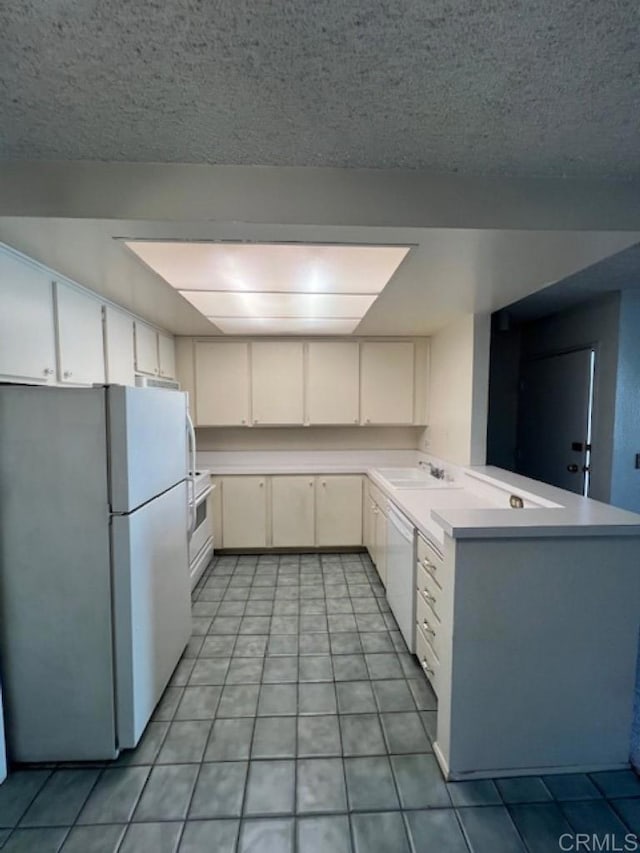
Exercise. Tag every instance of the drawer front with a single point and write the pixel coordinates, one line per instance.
(430, 560)
(429, 590)
(429, 625)
(428, 660)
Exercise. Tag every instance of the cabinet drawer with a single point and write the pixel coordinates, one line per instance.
(429, 625)
(430, 559)
(428, 590)
(428, 660)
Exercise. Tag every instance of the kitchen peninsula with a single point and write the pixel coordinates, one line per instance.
(526, 619)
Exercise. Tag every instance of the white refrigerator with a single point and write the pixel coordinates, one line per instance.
(94, 573)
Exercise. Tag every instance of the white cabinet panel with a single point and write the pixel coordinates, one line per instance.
(166, 356)
(277, 382)
(292, 511)
(146, 349)
(222, 384)
(381, 544)
(80, 341)
(333, 377)
(118, 347)
(27, 332)
(387, 382)
(339, 510)
(244, 512)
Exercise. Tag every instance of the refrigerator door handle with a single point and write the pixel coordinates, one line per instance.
(191, 493)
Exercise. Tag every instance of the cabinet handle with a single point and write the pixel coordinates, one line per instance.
(429, 567)
(48, 371)
(355, 420)
(243, 421)
(311, 482)
(428, 596)
(67, 374)
(261, 485)
(426, 668)
(428, 628)
(255, 420)
(155, 370)
(324, 483)
(367, 420)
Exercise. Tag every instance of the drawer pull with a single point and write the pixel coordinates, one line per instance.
(426, 627)
(430, 567)
(427, 595)
(426, 667)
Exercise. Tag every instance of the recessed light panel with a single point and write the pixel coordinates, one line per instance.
(275, 282)
(283, 326)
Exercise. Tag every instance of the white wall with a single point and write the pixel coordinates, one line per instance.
(459, 379)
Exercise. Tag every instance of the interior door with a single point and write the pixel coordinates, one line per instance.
(554, 411)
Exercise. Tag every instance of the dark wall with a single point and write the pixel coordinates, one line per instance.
(594, 323)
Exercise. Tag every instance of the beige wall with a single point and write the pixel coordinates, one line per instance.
(308, 438)
(459, 380)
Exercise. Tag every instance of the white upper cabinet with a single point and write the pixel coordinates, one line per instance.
(118, 347)
(333, 381)
(387, 382)
(222, 383)
(146, 339)
(277, 382)
(166, 356)
(27, 330)
(80, 341)
(292, 511)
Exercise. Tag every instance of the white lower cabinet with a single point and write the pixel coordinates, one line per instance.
(292, 511)
(244, 512)
(338, 510)
(375, 529)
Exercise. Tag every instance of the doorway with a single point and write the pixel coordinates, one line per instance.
(555, 410)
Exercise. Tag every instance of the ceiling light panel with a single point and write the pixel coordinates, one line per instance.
(286, 326)
(276, 267)
(225, 304)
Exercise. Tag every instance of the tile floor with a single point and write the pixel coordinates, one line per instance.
(296, 722)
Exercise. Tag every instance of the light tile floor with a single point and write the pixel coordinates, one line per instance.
(297, 722)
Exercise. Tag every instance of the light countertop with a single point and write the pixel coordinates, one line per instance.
(480, 509)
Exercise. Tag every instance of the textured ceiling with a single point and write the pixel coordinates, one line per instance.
(476, 86)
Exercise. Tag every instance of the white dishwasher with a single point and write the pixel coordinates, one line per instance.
(400, 573)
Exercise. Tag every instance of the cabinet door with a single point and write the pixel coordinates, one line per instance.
(146, 349)
(118, 347)
(381, 544)
(277, 382)
(80, 340)
(244, 512)
(387, 382)
(333, 382)
(166, 356)
(292, 511)
(222, 384)
(27, 331)
(339, 510)
(215, 503)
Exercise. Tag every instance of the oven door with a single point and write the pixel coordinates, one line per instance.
(201, 542)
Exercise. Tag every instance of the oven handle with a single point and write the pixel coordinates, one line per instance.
(192, 476)
(203, 496)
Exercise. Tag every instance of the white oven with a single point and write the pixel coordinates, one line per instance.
(201, 541)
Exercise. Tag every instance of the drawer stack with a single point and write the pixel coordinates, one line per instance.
(429, 610)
